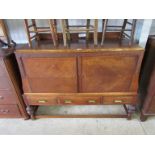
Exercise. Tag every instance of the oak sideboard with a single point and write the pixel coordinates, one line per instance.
(80, 76)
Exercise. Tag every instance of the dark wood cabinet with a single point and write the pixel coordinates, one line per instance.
(147, 81)
(95, 76)
(11, 102)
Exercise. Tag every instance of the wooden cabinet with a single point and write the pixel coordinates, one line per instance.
(3, 31)
(11, 102)
(94, 76)
(147, 81)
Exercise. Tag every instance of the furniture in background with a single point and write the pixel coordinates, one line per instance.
(3, 32)
(67, 29)
(33, 31)
(80, 76)
(11, 102)
(127, 30)
(147, 81)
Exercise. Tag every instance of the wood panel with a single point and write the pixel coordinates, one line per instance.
(51, 74)
(2, 69)
(9, 110)
(7, 97)
(107, 73)
(4, 84)
(151, 108)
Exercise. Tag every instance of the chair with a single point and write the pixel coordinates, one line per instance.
(68, 29)
(33, 31)
(123, 29)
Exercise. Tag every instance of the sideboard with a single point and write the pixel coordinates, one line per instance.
(147, 81)
(80, 76)
(11, 101)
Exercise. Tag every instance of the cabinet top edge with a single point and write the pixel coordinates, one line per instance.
(80, 50)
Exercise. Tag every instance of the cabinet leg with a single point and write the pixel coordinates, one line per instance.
(27, 118)
(30, 110)
(131, 110)
(143, 117)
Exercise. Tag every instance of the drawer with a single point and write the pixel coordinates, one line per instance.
(2, 69)
(151, 108)
(7, 97)
(4, 83)
(79, 100)
(10, 110)
(120, 99)
(41, 99)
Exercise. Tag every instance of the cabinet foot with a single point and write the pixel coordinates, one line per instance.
(130, 109)
(143, 117)
(30, 110)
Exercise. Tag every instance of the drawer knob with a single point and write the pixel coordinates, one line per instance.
(92, 101)
(4, 110)
(1, 97)
(67, 101)
(42, 101)
(118, 101)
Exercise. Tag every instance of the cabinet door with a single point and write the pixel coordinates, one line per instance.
(51, 75)
(112, 73)
(151, 108)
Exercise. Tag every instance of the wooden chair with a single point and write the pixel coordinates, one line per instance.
(68, 29)
(33, 31)
(122, 29)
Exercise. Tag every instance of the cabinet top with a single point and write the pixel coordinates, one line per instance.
(77, 47)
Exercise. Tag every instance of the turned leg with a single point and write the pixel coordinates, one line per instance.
(27, 118)
(131, 110)
(30, 110)
(143, 117)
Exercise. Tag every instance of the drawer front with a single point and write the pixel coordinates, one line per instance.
(4, 83)
(41, 99)
(151, 108)
(120, 100)
(9, 110)
(7, 97)
(79, 100)
(2, 69)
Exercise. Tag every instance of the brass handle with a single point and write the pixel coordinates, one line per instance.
(42, 101)
(92, 101)
(67, 101)
(118, 101)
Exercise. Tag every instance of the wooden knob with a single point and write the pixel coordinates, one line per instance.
(1, 97)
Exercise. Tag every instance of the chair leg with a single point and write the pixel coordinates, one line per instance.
(67, 33)
(104, 23)
(35, 29)
(53, 31)
(95, 32)
(27, 32)
(87, 32)
(133, 31)
(123, 29)
(64, 32)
